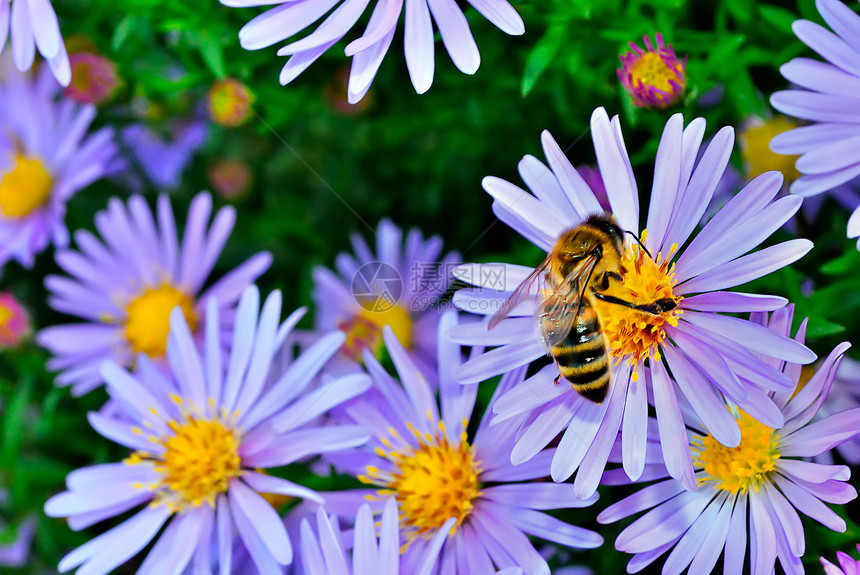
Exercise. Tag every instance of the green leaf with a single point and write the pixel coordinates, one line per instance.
(541, 55)
(820, 327)
(213, 55)
(844, 264)
(778, 17)
(13, 420)
(122, 32)
(740, 9)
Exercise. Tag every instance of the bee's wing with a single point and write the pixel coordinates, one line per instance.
(558, 312)
(520, 294)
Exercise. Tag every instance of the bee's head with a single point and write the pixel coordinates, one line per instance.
(606, 223)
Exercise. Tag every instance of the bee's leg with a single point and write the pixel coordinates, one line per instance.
(555, 381)
(656, 308)
(604, 280)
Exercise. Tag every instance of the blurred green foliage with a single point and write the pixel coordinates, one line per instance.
(321, 173)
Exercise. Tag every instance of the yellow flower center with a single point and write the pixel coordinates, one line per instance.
(25, 188)
(432, 483)
(148, 320)
(199, 460)
(364, 331)
(736, 469)
(651, 70)
(756, 153)
(634, 334)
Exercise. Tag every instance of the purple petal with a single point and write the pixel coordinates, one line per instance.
(537, 496)
(700, 189)
(113, 548)
(456, 35)
(830, 46)
(704, 400)
(614, 167)
(260, 528)
(810, 505)
(663, 523)
(736, 542)
(753, 336)
(688, 546)
(733, 302)
(546, 527)
(674, 445)
(762, 537)
(174, 548)
(418, 45)
(667, 179)
(549, 422)
(577, 193)
(501, 14)
(500, 360)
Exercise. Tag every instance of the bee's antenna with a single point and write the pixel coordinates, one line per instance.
(638, 241)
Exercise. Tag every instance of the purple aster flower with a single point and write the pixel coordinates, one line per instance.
(767, 474)
(290, 18)
(422, 455)
(654, 78)
(162, 160)
(400, 285)
(17, 553)
(31, 24)
(847, 564)
(322, 549)
(202, 433)
(45, 158)
(126, 285)
(827, 96)
(709, 354)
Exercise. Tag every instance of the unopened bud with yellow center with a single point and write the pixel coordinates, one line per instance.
(148, 320)
(635, 335)
(655, 77)
(230, 103)
(14, 322)
(432, 482)
(736, 469)
(754, 139)
(94, 78)
(25, 188)
(231, 178)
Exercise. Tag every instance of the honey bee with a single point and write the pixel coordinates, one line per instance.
(575, 274)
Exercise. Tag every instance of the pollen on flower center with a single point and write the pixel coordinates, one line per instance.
(634, 334)
(364, 331)
(25, 188)
(199, 459)
(148, 320)
(651, 70)
(432, 483)
(736, 469)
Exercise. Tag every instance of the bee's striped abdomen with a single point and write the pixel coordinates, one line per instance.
(582, 357)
